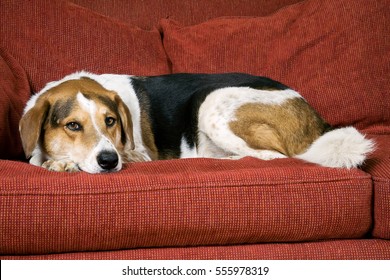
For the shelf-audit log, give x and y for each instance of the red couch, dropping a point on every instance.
(336, 53)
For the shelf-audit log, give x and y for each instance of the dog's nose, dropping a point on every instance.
(107, 159)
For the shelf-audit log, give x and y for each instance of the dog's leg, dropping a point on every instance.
(217, 140)
(230, 146)
(207, 148)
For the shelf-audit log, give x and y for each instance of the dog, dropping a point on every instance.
(96, 123)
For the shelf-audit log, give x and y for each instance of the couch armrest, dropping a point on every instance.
(14, 93)
(378, 165)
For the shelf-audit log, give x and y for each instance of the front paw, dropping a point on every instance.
(60, 166)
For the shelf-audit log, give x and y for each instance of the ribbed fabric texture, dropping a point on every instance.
(53, 38)
(14, 93)
(146, 14)
(179, 203)
(379, 167)
(358, 249)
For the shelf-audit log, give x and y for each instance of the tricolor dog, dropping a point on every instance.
(96, 123)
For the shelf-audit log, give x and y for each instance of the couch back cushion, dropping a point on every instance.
(146, 14)
(53, 38)
(336, 53)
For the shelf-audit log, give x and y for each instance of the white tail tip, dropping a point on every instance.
(342, 147)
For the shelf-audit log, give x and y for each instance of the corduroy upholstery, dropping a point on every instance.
(334, 52)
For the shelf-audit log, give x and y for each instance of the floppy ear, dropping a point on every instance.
(126, 123)
(31, 124)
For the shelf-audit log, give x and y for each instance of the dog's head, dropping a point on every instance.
(79, 121)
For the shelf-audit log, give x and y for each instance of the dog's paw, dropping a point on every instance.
(60, 166)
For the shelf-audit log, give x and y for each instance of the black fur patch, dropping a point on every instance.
(60, 110)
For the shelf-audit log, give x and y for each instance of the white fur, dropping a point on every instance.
(216, 140)
(343, 147)
(186, 151)
(90, 164)
(37, 156)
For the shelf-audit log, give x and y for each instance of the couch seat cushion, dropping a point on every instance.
(356, 249)
(336, 53)
(185, 202)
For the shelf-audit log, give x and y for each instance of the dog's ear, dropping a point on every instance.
(30, 125)
(126, 123)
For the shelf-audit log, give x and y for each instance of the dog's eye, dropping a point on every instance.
(110, 121)
(74, 126)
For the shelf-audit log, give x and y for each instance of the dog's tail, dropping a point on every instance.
(342, 147)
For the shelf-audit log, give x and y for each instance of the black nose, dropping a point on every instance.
(107, 159)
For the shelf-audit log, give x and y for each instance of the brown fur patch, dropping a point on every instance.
(148, 136)
(288, 128)
(31, 123)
